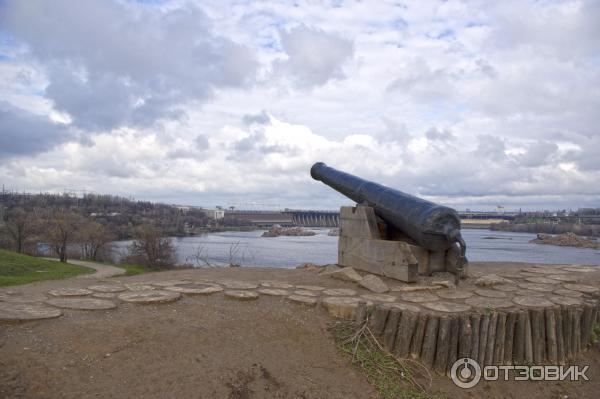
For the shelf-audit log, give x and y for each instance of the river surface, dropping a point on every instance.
(250, 249)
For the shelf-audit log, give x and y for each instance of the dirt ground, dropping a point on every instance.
(211, 347)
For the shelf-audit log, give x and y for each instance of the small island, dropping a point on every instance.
(277, 231)
(566, 240)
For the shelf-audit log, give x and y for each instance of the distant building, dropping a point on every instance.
(215, 214)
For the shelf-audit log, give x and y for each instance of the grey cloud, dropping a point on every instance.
(538, 153)
(435, 134)
(24, 133)
(314, 56)
(260, 119)
(111, 63)
(491, 147)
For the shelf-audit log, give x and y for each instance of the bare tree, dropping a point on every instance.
(93, 237)
(200, 257)
(20, 227)
(152, 249)
(60, 229)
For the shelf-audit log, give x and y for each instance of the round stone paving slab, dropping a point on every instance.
(537, 287)
(342, 307)
(339, 292)
(306, 293)
(402, 306)
(532, 302)
(241, 295)
(310, 287)
(447, 307)
(303, 299)
(276, 284)
(454, 294)
(240, 285)
(529, 293)
(505, 288)
(150, 296)
(418, 297)
(82, 303)
(543, 280)
(10, 311)
(488, 303)
(169, 283)
(581, 269)
(491, 293)
(139, 287)
(70, 292)
(23, 298)
(107, 288)
(587, 289)
(104, 295)
(273, 291)
(544, 270)
(565, 300)
(567, 278)
(379, 297)
(195, 288)
(569, 293)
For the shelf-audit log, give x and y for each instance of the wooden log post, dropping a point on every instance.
(429, 340)
(379, 318)
(483, 335)
(576, 333)
(567, 323)
(491, 339)
(511, 319)
(465, 336)
(406, 330)
(586, 324)
(520, 338)
(361, 313)
(416, 343)
(442, 345)
(500, 338)
(391, 328)
(560, 340)
(528, 340)
(537, 325)
(475, 323)
(551, 340)
(454, 338)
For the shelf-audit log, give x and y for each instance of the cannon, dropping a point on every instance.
(427, 231)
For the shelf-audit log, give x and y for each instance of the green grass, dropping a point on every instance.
(18, 269)
(392, 378)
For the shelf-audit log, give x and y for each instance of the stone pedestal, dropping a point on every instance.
(367, 243)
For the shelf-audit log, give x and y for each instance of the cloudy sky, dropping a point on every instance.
(472, 104)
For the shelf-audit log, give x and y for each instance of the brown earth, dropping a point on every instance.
(212, 347)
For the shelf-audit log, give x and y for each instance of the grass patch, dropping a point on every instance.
(392, 378)
(18, 269)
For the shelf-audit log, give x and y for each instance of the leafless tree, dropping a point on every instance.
(20, 226)
(152, 249)
(93, 238)
(60, 229)
(200, 257)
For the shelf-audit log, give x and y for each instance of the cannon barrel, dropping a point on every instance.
(431, 226)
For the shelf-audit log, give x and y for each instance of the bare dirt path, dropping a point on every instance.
(102, 270)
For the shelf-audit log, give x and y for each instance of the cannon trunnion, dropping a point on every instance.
(393, 233)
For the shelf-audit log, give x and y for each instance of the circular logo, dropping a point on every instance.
(465, 373)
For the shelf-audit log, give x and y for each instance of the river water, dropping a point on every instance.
(250, 249)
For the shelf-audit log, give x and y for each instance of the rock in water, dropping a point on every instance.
(346, 274)
(374, 283)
